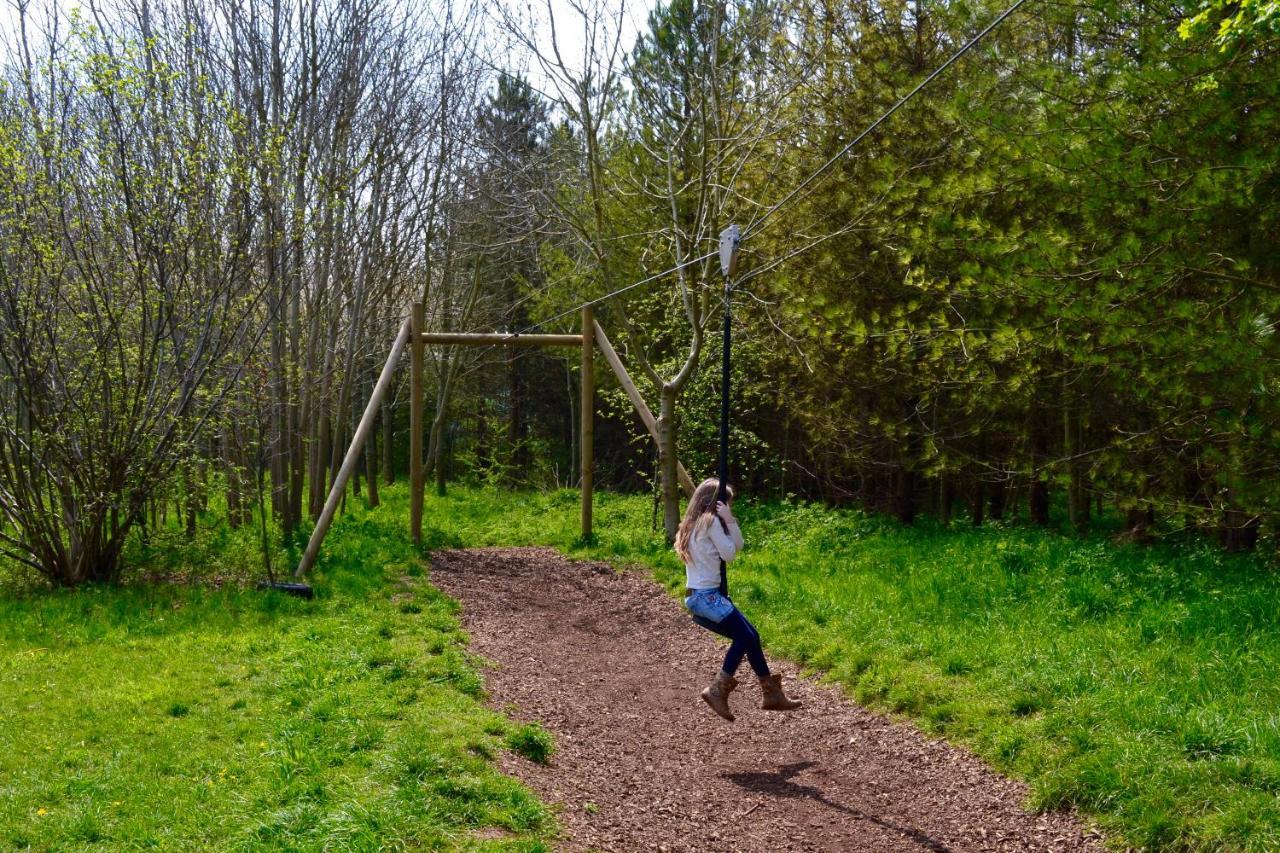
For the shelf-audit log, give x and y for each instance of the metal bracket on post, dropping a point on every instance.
(730, 239)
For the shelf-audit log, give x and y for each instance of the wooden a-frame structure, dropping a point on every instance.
(413, 334)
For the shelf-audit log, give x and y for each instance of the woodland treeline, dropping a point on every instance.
(1049, 284)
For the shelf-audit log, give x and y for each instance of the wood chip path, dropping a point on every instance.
(612, 666)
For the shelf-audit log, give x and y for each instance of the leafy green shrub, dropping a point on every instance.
(435, 539)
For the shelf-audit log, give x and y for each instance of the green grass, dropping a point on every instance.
(183, 717)
(1141, 685)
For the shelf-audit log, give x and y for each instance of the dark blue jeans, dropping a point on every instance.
(745, 640)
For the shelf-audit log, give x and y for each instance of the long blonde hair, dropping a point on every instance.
(699, 514)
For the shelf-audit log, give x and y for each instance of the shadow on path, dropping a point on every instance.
(778, 784)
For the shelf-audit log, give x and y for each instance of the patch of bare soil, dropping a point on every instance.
(612, 665)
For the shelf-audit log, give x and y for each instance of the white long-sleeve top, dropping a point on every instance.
(707, 547)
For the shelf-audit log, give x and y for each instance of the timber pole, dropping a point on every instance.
(416, 483)
(624, 379)
(588, 418)
(500, 339)
(353, 452)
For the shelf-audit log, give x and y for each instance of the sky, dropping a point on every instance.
(631, 14)
(628, 15)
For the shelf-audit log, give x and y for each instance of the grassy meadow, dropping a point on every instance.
(1138, 684)
(184, 716)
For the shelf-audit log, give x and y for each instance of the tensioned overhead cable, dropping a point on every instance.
(545, 288)
(759, 221)
(619, 291)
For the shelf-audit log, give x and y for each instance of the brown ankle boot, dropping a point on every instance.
(717, 695)
(774, 698)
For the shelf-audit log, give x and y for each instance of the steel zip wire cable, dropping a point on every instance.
(542, 323)
(759, 221)
(541, 290)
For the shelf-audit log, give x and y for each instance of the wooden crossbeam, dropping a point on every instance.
(500, 338)
(593, 335)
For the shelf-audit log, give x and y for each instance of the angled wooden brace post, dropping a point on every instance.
(353, 452)
(611, 356)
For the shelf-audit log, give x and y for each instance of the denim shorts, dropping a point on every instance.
(709, 604)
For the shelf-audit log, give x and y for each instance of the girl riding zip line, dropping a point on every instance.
(708, 538)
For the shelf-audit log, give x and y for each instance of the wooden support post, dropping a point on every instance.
(416, 484)
(353, 452)
(611, 356)
(588, 410)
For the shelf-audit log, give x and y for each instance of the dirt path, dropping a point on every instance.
(612, 666)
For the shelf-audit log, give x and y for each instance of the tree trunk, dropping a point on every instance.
(516, 427)
(388, 443)
(371, 452)
(232, 473)
(484, 460)
(1241, 532)
(1077, 491)
(279, 404)
(997, 497)
(575, 464)
(1038, 493)
(437, 460)
(977, 502)
(1239, 527)
(1138, 523)
(667, 462)
(321, 449)
(319, 466)
(904, 494)
(190, 499)
(441, 458)
(450, 439)
(337, 441)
